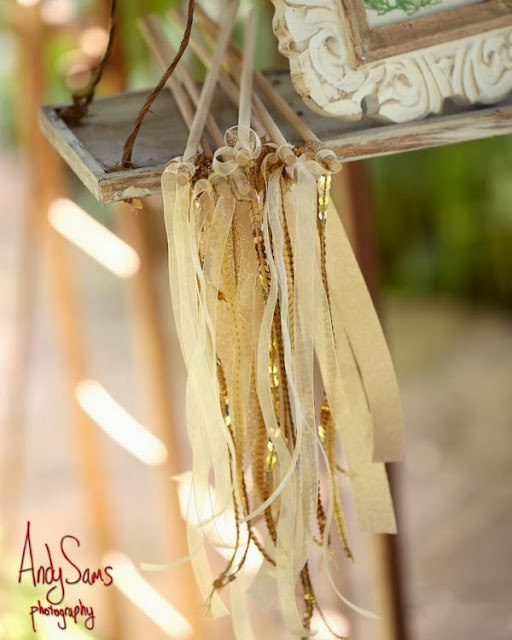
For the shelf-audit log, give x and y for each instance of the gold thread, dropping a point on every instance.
(263, 480)
(327, 430)
(309, 597)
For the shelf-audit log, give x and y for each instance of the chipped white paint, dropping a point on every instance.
(135, 192)
(313, 35)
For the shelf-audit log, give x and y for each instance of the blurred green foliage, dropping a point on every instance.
(444, 219)
(409, 7)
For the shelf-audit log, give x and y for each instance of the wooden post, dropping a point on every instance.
(350, 192)
(47, 183)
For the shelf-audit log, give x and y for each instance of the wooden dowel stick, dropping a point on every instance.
(270, 125)
(194, 94)
(225, 81)
(268, 121)
(264, 116)
(211, 80)
(280, 103)
(332, 163)
(244, 112)
(162, 52)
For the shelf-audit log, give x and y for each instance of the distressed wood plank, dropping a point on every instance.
(433, 132)
(132, 183)
(71, 149)
(93, 150)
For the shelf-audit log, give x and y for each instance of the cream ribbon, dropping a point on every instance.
(207, 225)
(229, 160)
(358, 430)
(287, 571)
(354, 311)
(208, 434)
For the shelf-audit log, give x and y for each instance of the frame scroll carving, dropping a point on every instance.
(330, 74)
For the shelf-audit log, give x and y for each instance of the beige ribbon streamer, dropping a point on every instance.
(203, 410)
(340, 372)
(239, 609)
(301, 358)
(355, 312)
(372, 499)
(211, 257)
(287, 569)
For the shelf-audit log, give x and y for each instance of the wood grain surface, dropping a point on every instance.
(93, 150)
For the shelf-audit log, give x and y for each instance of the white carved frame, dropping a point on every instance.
(331, 72)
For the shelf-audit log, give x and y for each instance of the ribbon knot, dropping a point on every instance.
(242, 148)
(183, 169)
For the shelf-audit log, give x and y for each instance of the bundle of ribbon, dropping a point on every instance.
(267, 297)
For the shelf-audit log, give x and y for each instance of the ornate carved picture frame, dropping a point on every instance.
(344, 64)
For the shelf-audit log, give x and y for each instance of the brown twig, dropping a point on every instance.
(224, 79)
(163, 52)
(83, 97)
(210, 82)
(130, 140)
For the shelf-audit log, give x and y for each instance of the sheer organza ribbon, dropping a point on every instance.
(223, 318)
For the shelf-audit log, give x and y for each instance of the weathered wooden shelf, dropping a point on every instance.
(93, 149)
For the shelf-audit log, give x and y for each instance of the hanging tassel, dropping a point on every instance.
(263, 286)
